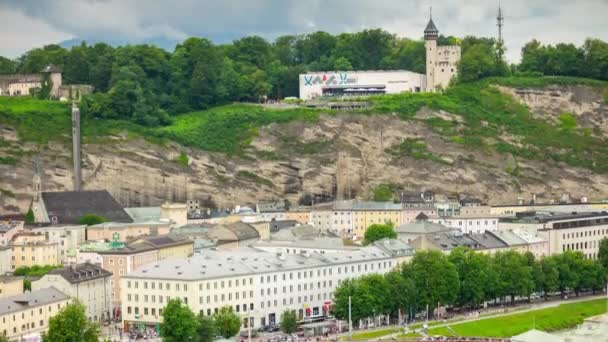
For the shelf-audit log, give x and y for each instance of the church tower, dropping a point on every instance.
(430, 43)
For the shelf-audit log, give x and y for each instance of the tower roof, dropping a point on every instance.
(431, 31)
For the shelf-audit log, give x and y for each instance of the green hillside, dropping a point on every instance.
(491, 121)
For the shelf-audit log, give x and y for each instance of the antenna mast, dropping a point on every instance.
(500, 23)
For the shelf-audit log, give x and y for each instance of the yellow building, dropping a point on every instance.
(10, 286)
(29, 249)
(365, 218)
(26, 316)
(300, 215)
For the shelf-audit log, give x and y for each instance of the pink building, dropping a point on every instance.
(409, 214)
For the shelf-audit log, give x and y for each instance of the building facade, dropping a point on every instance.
(68, 238)
(258, 285)
(5, 259)
(90, 284)
(356, 83)
(135, 255)
(572, 231)
(27, 315)
(29, 249)
(110, 231)
(300, 215)
(468, 225)
(10, 286)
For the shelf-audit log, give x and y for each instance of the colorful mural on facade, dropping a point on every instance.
(331, 79)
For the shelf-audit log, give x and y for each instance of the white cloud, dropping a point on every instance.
(137, 20)
(19, 33)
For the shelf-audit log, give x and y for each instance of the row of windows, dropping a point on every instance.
(581, 223)
(25, 327)
(46, 257)
(595, 232)
(265, 279)
(580, 245)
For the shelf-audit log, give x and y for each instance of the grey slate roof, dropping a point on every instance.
(31, 300)
(70, 206)
(81, 272)
(487, 241)
(421, 227)
(248, 262)
(148, 243)
(316, 242)
(509, 237)
(431, 28)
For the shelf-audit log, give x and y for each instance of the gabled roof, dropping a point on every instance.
(421, 227)
(81, 272)
(149, 243)
(237, 231)
(30, 300)
(487, 241)
(69, 206)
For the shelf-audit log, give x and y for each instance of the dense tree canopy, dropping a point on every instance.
(226, 322)
(179, 322)
(589, 60)
(147, 85)
(289, 321)
(71, 325)
(602, 254)
(379, 231)
(465, 279)
(91, 219)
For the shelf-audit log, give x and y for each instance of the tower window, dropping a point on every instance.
(452, 70)
(442, 70)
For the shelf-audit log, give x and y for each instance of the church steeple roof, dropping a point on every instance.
(431, 31)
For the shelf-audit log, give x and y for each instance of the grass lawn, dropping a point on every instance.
(375, 334)
(550, 319)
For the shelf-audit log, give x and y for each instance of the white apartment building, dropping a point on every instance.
(90, 284)
(573, 231)
(469, 225)
(258, 285)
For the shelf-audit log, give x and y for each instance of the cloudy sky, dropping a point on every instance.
(33, 23)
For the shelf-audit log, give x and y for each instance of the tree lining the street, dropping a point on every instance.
(466, 279)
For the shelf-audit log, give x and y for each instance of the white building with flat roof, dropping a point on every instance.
(581, 232)
(357, 83)
(258, 285)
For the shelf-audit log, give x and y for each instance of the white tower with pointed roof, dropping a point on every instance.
(441, 61)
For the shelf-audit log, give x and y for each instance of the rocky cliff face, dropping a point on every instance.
(345, 152)
(585, 104)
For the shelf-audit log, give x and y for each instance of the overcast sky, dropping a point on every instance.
(32, 23)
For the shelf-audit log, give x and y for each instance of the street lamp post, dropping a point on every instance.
(350, 320)
(249, 325)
